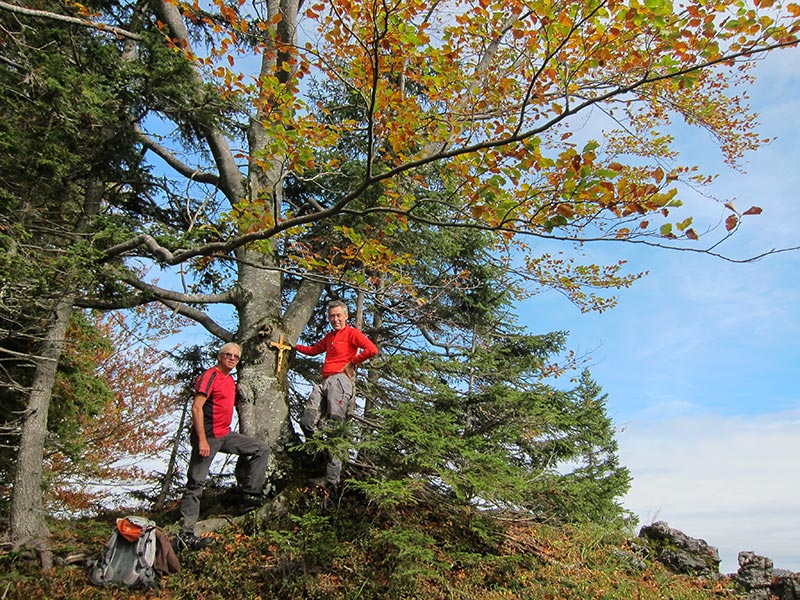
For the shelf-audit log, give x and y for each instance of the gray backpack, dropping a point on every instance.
(129, 556)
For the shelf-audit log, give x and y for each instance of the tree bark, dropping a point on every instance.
(263, 398)
(173, 458)
(27, 509)
(27, 518)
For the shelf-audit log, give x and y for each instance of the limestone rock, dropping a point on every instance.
(679, 552)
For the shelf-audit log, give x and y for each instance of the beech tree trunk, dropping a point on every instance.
(258, 295)
(263, 404)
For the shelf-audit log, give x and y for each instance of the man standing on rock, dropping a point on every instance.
(344, 348)
(212, 413)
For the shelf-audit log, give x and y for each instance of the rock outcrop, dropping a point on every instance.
(681, 553)
(754, 575)
(690, 556)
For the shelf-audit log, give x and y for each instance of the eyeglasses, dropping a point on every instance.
(231, 355)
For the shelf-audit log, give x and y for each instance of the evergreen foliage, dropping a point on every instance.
(504, 444)
(465, 407)
(64, 134)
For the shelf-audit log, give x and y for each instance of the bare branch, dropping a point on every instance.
(230, 180)
(173, 161)
(164, 294)
(30, 12)
(201, 318)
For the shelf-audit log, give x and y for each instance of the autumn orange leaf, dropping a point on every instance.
(753, 210)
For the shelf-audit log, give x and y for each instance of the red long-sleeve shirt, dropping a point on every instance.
(341, 347)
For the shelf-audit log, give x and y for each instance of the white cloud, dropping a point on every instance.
(732, 481)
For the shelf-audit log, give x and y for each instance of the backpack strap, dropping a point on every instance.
(98, 569)
(146, 557)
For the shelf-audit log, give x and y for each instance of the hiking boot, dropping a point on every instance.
(322, 482)
(191, 542)
(249, 500)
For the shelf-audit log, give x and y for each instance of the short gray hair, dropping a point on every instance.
(228, 346)
(338, 304)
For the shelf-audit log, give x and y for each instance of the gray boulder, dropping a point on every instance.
(786, 586)
(761, 582)
(679, 552)
(754, 575)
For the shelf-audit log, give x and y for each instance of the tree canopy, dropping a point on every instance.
(252, 157)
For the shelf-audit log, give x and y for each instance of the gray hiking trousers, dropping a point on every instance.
(330, 401)
(250, 471)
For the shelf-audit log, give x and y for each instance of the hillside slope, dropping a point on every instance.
(309, 544)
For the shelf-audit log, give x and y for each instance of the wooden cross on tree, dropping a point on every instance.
(282, 347)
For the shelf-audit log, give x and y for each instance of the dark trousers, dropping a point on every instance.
(250, 471)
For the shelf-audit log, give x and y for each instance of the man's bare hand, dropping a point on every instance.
(204, 448)
(350, 370)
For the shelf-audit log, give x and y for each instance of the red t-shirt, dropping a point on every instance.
(220, 392)
(341, 347)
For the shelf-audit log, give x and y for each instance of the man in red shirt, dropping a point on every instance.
(212, 413)
(344, 348)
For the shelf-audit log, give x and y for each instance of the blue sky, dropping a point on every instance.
(701, 359)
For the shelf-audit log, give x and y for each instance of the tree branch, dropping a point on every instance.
(567, 238)
(172, 160)
(30, 12)
(164, 294)
(230, 179)
(201, 318)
